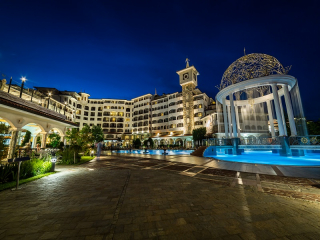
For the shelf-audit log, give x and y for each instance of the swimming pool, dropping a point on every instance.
(156, 152)
(267, 157)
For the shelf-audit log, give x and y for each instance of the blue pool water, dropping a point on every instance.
(157, 152)
(267, 157)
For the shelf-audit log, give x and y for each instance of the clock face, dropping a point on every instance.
(185, 76)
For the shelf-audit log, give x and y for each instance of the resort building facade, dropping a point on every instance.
(169, 118)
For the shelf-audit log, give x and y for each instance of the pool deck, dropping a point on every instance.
(277, 170)
(156, 197)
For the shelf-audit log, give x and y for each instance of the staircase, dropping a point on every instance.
(199, 151)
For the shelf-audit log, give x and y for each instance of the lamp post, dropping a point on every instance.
(9, 85)
(23, 79)
(65, 106)
(32, 94)
(49, 99)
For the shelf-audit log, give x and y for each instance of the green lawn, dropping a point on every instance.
(8, 185)
(85, 159)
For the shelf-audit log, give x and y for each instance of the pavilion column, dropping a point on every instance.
(13, 143)
(283, 118)
(237, 118)
(289, 111)
(43, 139)
(270, 118)
(277, 107)
(230, 121)
(233, 117)
(225, 120)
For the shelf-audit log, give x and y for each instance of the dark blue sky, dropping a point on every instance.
(123, 49)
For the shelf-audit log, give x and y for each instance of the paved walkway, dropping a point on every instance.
(123, 197)
(289, 171)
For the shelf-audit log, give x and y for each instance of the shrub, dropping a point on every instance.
(6, 172)
(34, 167)
(26, 138)
(69, 156)
(54, 140)
(31, 168)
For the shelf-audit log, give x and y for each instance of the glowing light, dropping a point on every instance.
(49, 94)
(23, 79)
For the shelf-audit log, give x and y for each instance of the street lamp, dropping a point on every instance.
(49, 99)
(65, 106)
(23, 79)
(32, 94)
(9, 85)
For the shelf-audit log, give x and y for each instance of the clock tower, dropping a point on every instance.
(188, 81)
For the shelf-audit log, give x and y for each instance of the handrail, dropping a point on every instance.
(305, 140)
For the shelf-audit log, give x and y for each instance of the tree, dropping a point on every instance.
(145, 143)
(136, 143)
(74, 140)
(198, 134)
(97, 133)
(314, 127)
(54, 139)
(26, 139)
(3, 130)
(86, 138)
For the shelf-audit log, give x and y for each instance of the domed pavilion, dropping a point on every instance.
(257, 98)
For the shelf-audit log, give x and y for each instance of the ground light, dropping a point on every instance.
(53, 161)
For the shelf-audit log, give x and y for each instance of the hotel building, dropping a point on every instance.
(169, 118)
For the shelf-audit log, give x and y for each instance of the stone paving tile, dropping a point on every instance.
(92, 201)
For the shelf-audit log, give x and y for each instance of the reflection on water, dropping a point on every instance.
(157, 152)
(267, 157)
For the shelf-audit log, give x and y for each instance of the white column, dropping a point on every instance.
(277, 107)
(43, 139)
(13, 143)
(225, 120)
(230, 121)
(270, 118)
(34, 141)
(289, 111)
(19, 138)
(237, 117)
(233, 117)
(283, 118)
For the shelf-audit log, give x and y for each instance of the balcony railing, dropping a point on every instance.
(260, 141)
(305, 140)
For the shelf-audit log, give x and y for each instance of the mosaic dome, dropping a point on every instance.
(251, 66)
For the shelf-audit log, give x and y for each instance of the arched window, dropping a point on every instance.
(247, 127)
(253, 127)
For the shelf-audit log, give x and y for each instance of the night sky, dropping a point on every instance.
(124, 49)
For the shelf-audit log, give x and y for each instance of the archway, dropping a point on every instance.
(179, 142)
